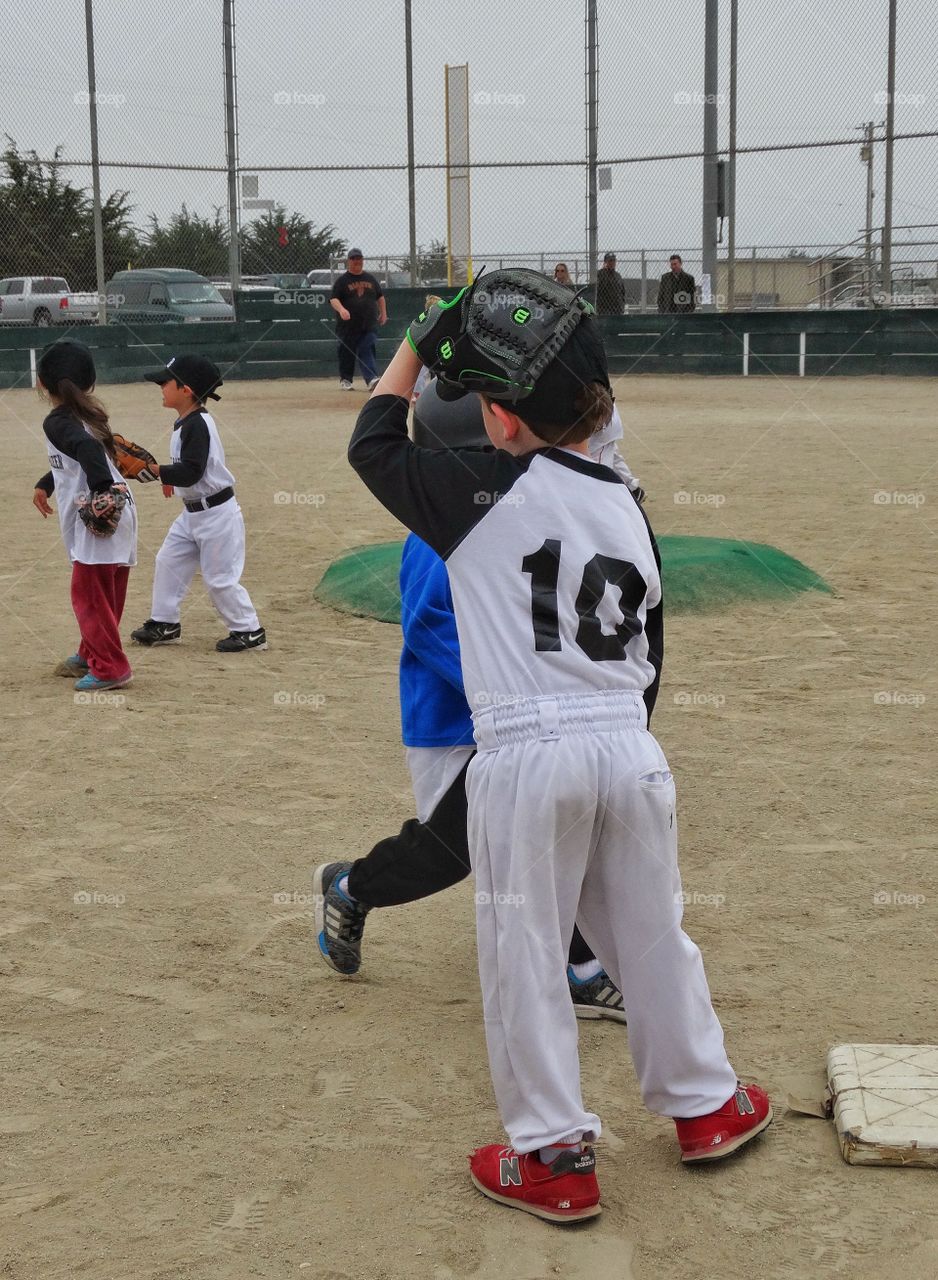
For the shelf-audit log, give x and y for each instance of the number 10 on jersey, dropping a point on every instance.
(598, 573)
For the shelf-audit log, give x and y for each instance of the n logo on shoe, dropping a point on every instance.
(509, 1171)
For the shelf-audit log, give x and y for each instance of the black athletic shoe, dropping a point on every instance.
(157, 632)
(597, 997)
(339, 920)
(235, 641)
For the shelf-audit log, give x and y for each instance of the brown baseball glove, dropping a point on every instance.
(133, 461)
(101, 512)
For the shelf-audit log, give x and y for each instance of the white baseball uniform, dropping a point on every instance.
(557, 596)
(209, 539)
(71, 480)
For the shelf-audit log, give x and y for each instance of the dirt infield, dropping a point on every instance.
(188, 1092)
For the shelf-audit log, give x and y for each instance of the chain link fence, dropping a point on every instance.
(321, 148)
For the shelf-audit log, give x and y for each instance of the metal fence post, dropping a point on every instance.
(231, 149)
(592, 133)
(95, 166)
(411, 172)
(731, 166)
(886, 268)
(711, 80)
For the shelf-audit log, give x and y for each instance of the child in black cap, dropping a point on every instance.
(208, 535)
(81, 460)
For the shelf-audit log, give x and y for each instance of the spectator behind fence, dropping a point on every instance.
(562, 276)
(676, 290)
(359, 305)
(610, 288)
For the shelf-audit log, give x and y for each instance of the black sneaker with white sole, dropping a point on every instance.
(153, 632)
(596, 997)
(235, 641)
(340, 920)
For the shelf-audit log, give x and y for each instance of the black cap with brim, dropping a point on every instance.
(198, 373)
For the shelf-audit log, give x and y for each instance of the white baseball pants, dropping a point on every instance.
(211, 542)
(571, 817)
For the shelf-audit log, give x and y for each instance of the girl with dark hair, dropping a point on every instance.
(81, 457)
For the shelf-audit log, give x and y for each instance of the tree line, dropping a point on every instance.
(47, 228)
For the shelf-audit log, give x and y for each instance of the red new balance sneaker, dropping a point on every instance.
(564, 1191)
(720, 1133)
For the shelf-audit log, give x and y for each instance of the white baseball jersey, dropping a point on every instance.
(66, 437)
(553, 569)
(198, 466)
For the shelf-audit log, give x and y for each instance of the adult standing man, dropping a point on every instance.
(360, 307)
(610, 288)
(676, 290)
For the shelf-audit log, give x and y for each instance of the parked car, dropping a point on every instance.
(164, 295)
(44, 301)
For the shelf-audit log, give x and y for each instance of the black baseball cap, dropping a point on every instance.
(609, 257)
(354, 253)
(581, 359)
(66, 360)
(196, 372)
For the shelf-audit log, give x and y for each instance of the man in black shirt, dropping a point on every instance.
(676, 290)
(610, 288)
(360, 308)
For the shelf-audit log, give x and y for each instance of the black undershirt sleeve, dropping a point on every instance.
(440, 494)
(194, 443)
(69, 436)
(46, 483)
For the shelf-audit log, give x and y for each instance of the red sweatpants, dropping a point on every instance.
(98, 592)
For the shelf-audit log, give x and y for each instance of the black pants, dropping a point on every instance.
(426, 857)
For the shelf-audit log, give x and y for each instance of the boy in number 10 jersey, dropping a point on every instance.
(556, 588)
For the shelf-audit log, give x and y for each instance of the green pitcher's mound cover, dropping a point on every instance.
(699, 573)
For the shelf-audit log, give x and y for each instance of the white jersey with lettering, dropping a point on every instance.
(216, 475)
(80, 543)
(552, 565)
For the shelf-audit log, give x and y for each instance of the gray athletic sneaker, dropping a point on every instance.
(597, 997)
(339, 920)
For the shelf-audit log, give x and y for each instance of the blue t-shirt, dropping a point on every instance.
(434, 710)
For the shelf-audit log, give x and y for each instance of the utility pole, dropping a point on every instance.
(710, 197)
(231, 148)
(592, 134)
(411, 171)
(95, 166)
(866, 156)
(886, 266)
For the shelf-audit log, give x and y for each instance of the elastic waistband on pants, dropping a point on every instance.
(214, 500)
(554, 716)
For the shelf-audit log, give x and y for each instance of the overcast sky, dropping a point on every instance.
(321, 83)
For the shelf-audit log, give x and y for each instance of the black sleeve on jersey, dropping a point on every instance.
(440, 494)
(68, 435)
(194, 442)
(46, 483)
(654, 630)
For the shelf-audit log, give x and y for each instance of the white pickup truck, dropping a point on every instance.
(44, 301)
